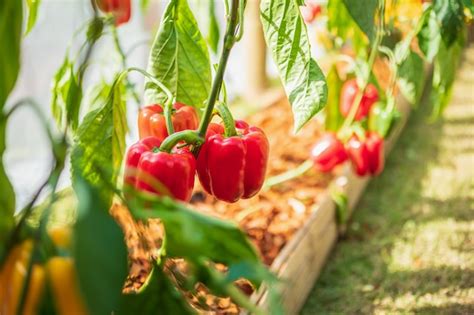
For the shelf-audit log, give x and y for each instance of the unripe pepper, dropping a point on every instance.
(63, 280)
(151, 121)
(327, 152)
(359, 155)
(375, 146)
(348, 95)
(120, 9)
(233, 167)
(12, 279)
(162, 173)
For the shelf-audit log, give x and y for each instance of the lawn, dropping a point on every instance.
(410, 245)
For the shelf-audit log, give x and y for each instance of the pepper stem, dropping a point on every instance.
(188, 136)
(227, 119)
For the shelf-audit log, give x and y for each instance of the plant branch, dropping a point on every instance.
(229, 40)
(290, 174)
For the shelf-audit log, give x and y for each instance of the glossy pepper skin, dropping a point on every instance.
(359, 155)
(234, 167)
(348, 94)
(120, 9)
(375, 146)
(161, 173)
(151, 121)
(327, 152)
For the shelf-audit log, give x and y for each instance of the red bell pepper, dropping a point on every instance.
(233, 167)
(375, 146)
(161, 173)
(120, 9)
(328, 152)
(310, 11)
(359, 155)
(151, 121)
(348, 95)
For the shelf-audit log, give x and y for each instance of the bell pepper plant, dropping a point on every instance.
(151, 121)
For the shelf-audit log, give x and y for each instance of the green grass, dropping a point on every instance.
(410, 245)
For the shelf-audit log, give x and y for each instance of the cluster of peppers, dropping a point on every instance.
(57, 274)
(230, 163)
(365, 151)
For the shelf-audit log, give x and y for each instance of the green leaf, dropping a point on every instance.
(213, 33)
(100, 142)
(99, 251)
(445, 66)
(469, 4)
(179, 58)
(342, 25)
(11, 14)
(33, 6)
(410, 77)
(363, 13)
(158, 293)
(11, 18)
(450, 15)
(334, 118)
(286, 35)
(190, 234)
(429, 37)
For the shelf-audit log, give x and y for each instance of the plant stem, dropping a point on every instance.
(188, 136)
(123, 59)
(290, 174)
(226, 115)
(229, 40)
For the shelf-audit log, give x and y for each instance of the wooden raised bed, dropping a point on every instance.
(300, 261)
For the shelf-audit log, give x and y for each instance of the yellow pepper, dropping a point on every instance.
(12, 280)
(62, 277)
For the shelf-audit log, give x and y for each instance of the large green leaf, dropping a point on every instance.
(286, 35)
(179, 58)
(33, 6)
(410, 77)
(213, 27)
(11, 18)
(192, 235)
(429, 37)
(100, 142)
(157, 294)
(363, 13)
(342, 25)
(99, 251)
(445, 66)
(450, 15)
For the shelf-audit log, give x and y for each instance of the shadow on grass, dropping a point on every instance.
(357, 274)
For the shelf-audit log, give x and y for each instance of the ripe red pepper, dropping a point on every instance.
(310, 11)
(151, 121)
(375, 146)
(234, 167)
(348, 94)
(328, 152)
(120, 9)
(161, 173)
(359, 155)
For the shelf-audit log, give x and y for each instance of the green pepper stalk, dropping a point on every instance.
(229, 40)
